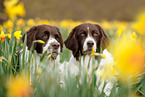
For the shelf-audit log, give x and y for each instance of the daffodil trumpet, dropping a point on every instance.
(39, 41)
(98, 54)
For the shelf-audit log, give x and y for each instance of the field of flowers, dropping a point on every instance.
(126, 72)
(127, 48)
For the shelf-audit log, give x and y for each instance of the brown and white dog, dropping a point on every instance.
(53, 45)
(86, 36)
(52, 38)
(81, 40)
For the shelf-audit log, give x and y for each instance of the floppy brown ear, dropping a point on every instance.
(60, 39)
(72, 43)
(31, 36)
(104, 40)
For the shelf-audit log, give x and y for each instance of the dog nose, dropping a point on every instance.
(90, 43)
(55, 45)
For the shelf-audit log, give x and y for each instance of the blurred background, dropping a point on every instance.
(96, 10)
(84, 9)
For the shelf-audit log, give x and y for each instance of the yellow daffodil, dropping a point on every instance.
(20, 22)
(9, 24)
(9, 36)
(10, 30)
(30, 22)
(93, 51)
(17, 10)
(120, 30)
(139, 25)
(129, 58)
(39, 41)
(124, 36)
(40, 22)
(97, 54)
(17, 34)
(65, 23)
(133, 36)
(18, 87)
(103, 56)
(106, 24)
(2, 34)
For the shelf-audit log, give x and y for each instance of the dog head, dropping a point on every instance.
(49, 34)
(85, 37)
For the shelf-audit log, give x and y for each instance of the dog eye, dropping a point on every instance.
(45, 36)
(56, 37)
(95, 34)
(83, 34)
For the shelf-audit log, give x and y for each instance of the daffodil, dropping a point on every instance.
(14, 10)
(39, 41)
(120, 30)
(20, 22)
(9, 24)
(133, 36)
(65, 23)
(129, 58)
(40, 22)
(97, 54)
(140, 23)
(18, 87)
(9, 36)
(2, 34)
(30, 22)
(106, 24)
(17, 34)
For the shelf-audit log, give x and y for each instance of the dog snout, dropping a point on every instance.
(55, 45)
(90, 43)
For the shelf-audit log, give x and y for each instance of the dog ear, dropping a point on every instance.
(104, 40)
(60, 39)
(72, 43)
(31, 36)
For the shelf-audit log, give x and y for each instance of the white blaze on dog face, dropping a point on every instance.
(89, 38)
(85, 46)
(49, 47)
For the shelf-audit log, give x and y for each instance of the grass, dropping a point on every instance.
(45, 81)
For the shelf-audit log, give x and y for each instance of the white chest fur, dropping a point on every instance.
(73, 67)
(35, 60)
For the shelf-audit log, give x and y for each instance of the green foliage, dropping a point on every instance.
(47, 83)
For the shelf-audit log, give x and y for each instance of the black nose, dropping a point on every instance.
(55, 45)
(90, 43)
